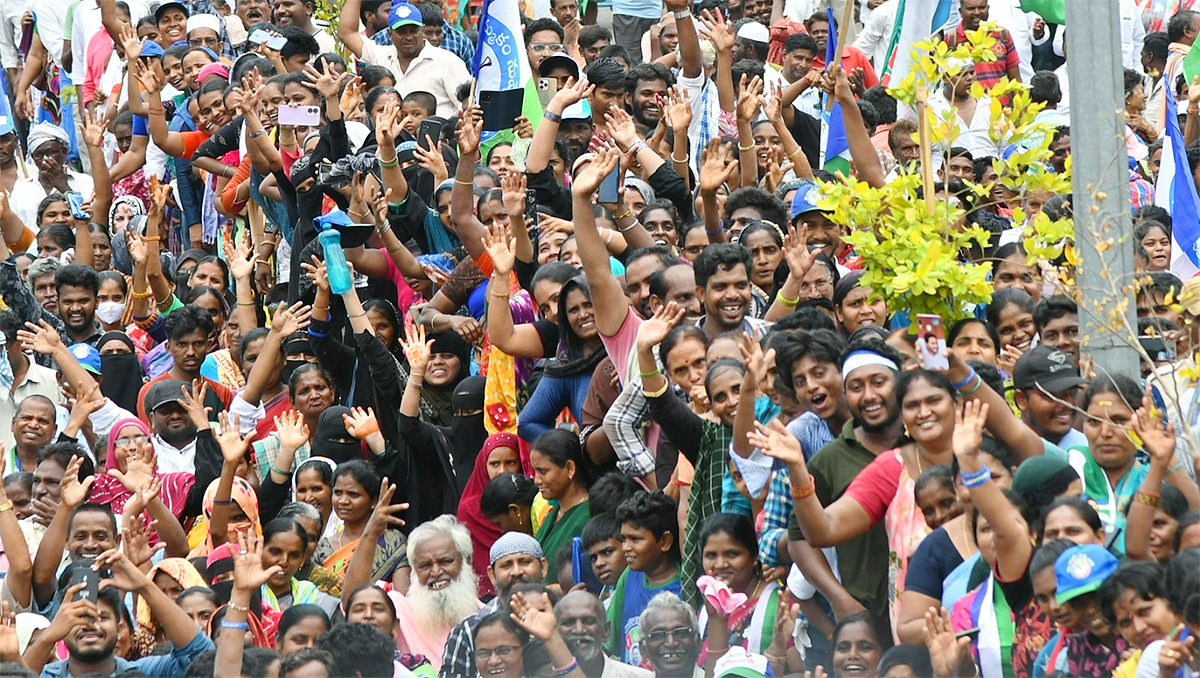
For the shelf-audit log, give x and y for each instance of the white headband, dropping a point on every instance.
(863, 358)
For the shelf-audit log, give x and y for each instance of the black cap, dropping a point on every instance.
(558, 59)
(165, 391)
(1046, 368)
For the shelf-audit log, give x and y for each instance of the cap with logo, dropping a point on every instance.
(808, 194)
(738, 662)
(171, 4)
(404, 14)
(1047, 369)
(87, 355)
(166, 391)
(1081, 570)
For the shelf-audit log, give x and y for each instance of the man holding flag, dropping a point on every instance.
(416, 64)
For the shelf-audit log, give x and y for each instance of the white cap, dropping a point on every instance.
(754, 32)
(209, 21)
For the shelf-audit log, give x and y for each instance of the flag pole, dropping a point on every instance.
(843, 33)
(926, 145)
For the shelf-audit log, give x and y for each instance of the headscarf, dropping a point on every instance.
(262, 629)
(573, 357)
(332, 440)
(467, 433)
(27, 623)
(134, 203)
(439, 399)
(179, 569)
(108, 490)
(483, 531)
(242, 494)
(122, 372)
(43, 133)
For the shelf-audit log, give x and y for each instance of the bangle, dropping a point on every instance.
(627, 228)
(978, 385)
(647, 375)
(245, 303)
(358, 315)
(320, 308)
(566, 669)
(684, 161)
(682, 14)
(747, 148)
(141, 295)
(464, 183)
(384, 163)
(787, 302)
(608, 240)
(627, 212)
(234, 625)
(157, 238)
(279, 470)
(973, 475)
(792, 155)
(976, 479)
(722, 650)
(501, 297)
(806, 491)
(552, 117)
(415, 382)
(155, 111)
(656, 393)
(260, 262)
(960, 384)
(1147, 498)
(223, 502)
(638, 146)
(237, 608)
(255, 135)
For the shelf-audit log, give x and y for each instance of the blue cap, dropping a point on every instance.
(6, 125)
(406, 151)
(404, 14)
(808, 194)
(151, 48)
(1081, 570)
(158, 12)
(332, 219)
(87, 355)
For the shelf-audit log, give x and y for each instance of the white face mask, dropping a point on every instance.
(110, 311)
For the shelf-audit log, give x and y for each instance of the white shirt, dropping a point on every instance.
(324, 38)
(38, 381)
(877, 34)
(434, 70)
(1064, 106)
(972, 135)
(28, 194)
(173, 459)
(615, 669)
(51, 22)
(10, 31)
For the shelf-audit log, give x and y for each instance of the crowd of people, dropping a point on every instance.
(312, 368)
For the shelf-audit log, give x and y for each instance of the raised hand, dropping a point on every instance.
(193, 402)
(241, 261)
(329, 84)
(950, 655)
(501, 247)
(135, 537)
(233, 444)
(159, 193)
(126, 575)
(470, 130)
(131, 46)
(513, 187)
(431, 160)
(717, 166)
(73, 492)
(292, 431)
(588, 180)
(248, 572)
(361, 423)
(571, 93)
(757, 362)
(316, 272)
(533, 613)
(41, 338)
(620, 127)
(656, 328)
(352, 95)
(773, 103)
(679, 110)
(968, 429)
(387, 125)
(749, 99)
(1158, 440)
(139, 466)
(384, 515)
(417, 349)
(799, 258)
(93, 129)
(719, 32)
(291, 319)
(147, 76)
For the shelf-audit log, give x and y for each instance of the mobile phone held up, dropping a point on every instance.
(931, 342)
(301, 116)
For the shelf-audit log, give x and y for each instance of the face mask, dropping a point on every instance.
(290, 366)
(110, 311)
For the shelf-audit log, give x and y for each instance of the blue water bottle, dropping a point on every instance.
(336, 268)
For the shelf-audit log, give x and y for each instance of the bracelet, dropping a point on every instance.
(684, 161)
(255, 135)
(647, 375)
(278, 470)
(237, 608)
(415, 382)
(359, 315)
(747, 148)
(566, 669)
(638, 146)
(608, 240)
(1176, 468)
(320, 308)
(464, 183)
(241, 626)
(245, 303)
(384, 163)
(157, 238)
(968, 476)
(964, 382)
(223, 502)
(552, 117)
(1147, 498)
(787, 302)
(141, 295)
(978, 480)
(627, 228)
(627, 212)
(978, 385)
(260, 262)
(712, 652)
(682, 14)
(656, 393)
(805, 492)
(501, 297)
(792, 155)
(155, 111)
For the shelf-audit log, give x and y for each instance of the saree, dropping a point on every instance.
(391, 553)
(557, 530)
(906, 529)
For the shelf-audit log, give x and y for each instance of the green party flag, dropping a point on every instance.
(1191, 65)
(1051, 11)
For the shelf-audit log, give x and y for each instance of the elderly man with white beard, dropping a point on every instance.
(583, 624)
(443, 590)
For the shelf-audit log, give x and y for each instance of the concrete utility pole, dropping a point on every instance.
(1100, 181)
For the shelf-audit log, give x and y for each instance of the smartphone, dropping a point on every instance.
(610, 187)
(323, 171)
(75, 202)
(967, 633)
(276, 42)
(306, 116)
(259, 37)
(430, 128)
(931, 342)
(1159, 348)
(546, 89)
(84, 574)
(531, 206)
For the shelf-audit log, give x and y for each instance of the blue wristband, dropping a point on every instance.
(964, 382)
(234, 625)
(977, 479)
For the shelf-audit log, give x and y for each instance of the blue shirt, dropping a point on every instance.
(167, 666)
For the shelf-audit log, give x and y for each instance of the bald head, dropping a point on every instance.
(583, 625)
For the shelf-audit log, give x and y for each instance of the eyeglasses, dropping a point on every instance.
(205, 42)
(502, 652)
(682, 634)
(135, 440)
(539, 47)
(818, 286)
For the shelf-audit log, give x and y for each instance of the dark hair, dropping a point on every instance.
(797, 41)
(677, 336)
(186, 320)
(16, 670)
(719, 366)
(1161, 283)
(320, 467)
(77, 275)
(553, 271)
(1141, 577)
(1044, 88)
(501, 617)
(298, 613)
(604, 72)
(204, 290)
(590, 35)
(359, 649)
(1157, 45)
(1081, 508)
(1181, 577)
(298, 42)
(363, 473)
(934, 475)
(646, 71)
(809, 316)
(544, 24)
(423, 99)
(1153, 213)
(1053, 308)
(93, 507)
(962, 325)
(283, 526)
(655, 512)
(1132, 80)
(769, 207)
(610, 490)
(1144, 227)
(1027, 512)
(62, 453)
(720, 257)
(601, 527)
(25, 479)
(822, 346)
(1172, 502)
(256, 662)
(1008, 297)
(1126, 388)
(506, 489)
(248, 338)
(561, 446)
(372, 587)
(856, 618)
(207, 593)
(938, 380)
(615, 52)
(1047, 555)
(884, 103)
(378, 93)
(757, 225)
(305, 369)
(665, 256)
(1179, 23)
(307, 656)
(737, 526)
(372, 75)
(431, 15)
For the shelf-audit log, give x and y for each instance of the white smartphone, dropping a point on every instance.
(306, 116)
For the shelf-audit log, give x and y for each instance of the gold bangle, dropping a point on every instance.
(143, 295)
(320, 308)
(792, 155)
(657, 392)
(618, 217)
(747, 148)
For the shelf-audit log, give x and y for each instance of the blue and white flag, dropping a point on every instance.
(1175, 191)
(916, 21)
(835, 150)
(504, 82)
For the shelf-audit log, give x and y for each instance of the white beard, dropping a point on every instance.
(436, 611)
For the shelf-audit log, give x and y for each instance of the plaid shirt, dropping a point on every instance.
(813, 434)
(458, 659)
(453, 40)
(267, 449)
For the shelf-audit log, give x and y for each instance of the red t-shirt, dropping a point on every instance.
(875, 487)
(852, 58)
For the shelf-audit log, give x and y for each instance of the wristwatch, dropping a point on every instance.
(6, 506)
(682, 14)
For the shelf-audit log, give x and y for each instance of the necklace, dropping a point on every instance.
(968, 543)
